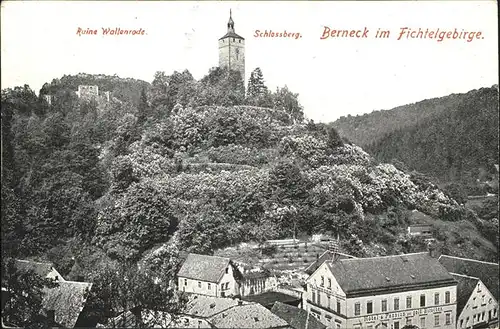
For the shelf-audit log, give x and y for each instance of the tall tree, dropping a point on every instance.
(256, 86)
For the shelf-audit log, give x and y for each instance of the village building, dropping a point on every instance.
(478, 291)
(216, 312)
(256, 281)
(232, 50)
(383, 292)
(297, 318)
(43, 269)
(63, 304)
(209, 275)
(420, 224)
(267, 299)
(326, 255)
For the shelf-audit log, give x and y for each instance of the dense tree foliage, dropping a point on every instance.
(194, 165)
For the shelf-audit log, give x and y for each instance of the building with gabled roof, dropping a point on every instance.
(478, 291)
(43, 269)
(486, 271)
(476, 306)
(297, 318)
(209, 275)
(327, 255)
(217, 312)
(66, 301)
(383, 292)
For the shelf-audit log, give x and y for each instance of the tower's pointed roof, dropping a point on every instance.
(230, 29)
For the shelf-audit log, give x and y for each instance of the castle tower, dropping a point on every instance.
(232, 49)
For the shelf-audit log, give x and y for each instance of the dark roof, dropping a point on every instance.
(486, 272)
(268, 298)
(207, 306)
(248, 316)
(296, 317)
(359, 276)
(327, 255)
(67, 300)
(42, 269)
(465, 287)
(418, 217)
(126, 320)
(204, 268)
(232, 34)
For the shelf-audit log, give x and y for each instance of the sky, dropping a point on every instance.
(334, 77)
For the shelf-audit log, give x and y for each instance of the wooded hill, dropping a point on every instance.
(199, 166)
(452, 138)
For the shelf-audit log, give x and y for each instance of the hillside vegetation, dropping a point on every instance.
(452, 138)
(199, 166)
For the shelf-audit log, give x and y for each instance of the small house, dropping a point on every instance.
(209, 275)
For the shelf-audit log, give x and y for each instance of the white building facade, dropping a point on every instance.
(346, 294)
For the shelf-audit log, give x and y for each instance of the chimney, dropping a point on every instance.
(432, 248)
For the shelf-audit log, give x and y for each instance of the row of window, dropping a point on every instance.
(409, 322)
(224, 286)
(396, 303)
(396, 324)
(479, 317)
(239, 40)
(316, 299)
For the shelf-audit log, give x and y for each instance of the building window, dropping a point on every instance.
(422, 300)
(396, 324)
(495, 313)
(199, 323)
(209, 286)
(239, 41)
(447, 297)
(483, 300)
(357, 309)
(408, 321)
(185, 282)
(482, 316)
(436, 298)
(369, 307)
(422, 322)
(384, 305)
(396, 304)
(408, 302)
(199, 284)
(461, 323)
(474, 302)
(436, 320)
(328, 300)
(319, 298)
(338, 307)
(329, 283)
(448, 318)
(322, 281)
(313, 297)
